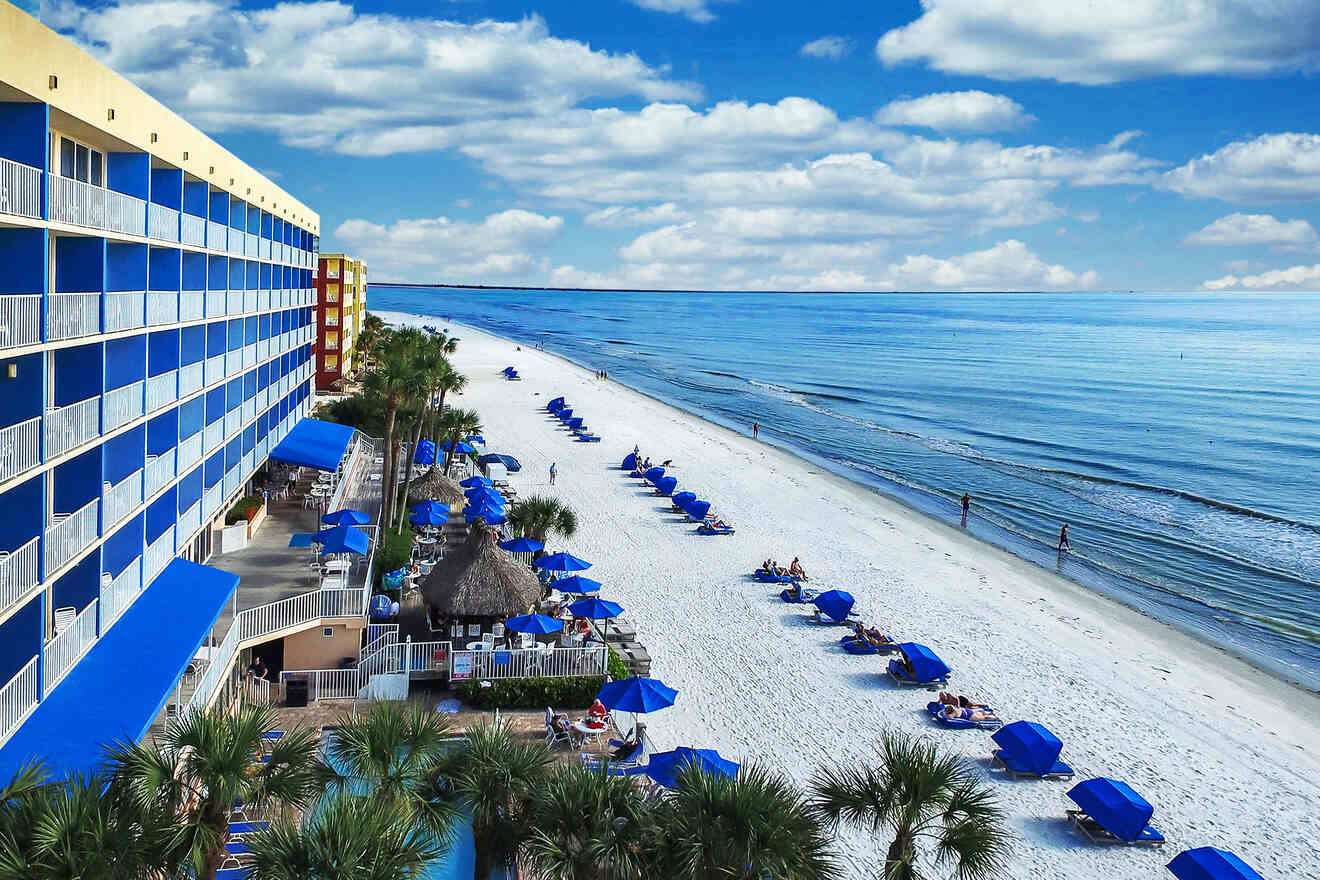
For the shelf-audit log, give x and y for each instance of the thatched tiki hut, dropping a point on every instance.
(478, 583)
(435, 486)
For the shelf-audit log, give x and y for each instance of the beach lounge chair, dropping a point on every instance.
(552, 734)
(588, 438)
(1111, 812)
(803, 596)
(712, 529)
(616, 767)
(239, 829)
(766, 577)
(232, 873)
(1028, 749)
(936, 712)
(833, 607)
(920, 666)
(272, 735)
(854, 645)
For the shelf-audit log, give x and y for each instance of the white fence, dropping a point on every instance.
(162, 223)
(69, 315)
(75, 202)
(125, 213)
(68, 426)
(162, 308)
(20, 189)
(20, 447)
(192, 230)
(18, 572)
(158, 555)
(20, 319)
(190, 450)
(119, 592)
(159, 471)
(68, 534)
(192, 305)
(119, 500)
(125, 310)
(233, 419)
(211, 499)
(65, 649)
(119, 406)
(526, 663)
(18, 697)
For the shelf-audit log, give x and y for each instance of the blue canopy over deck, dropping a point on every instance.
(925, 663)
(1114, 805)
(120, 686)
(314, 443)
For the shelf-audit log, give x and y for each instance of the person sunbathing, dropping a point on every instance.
(864, 635)
(961, 701)
(768, 567)
(719, 524)
(973, 715)
(796, 570)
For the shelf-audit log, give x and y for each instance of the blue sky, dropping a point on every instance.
(944, 144)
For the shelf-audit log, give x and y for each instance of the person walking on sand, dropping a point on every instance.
(756, 429)
(553, 471)
(1063, 539)
(966, 503)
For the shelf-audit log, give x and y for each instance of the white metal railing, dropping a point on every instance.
(158, 555)
(119, 406)
(69, 315)
(68, 426)
(19, 572)
(211, 499)
(263, 399)
(162, 308)
(215, 303)
(125, 213)
(18, 697)
(68, 534)
(249, 300)
(233, 420)
(75, 202)
(190, 451)
(216, 671)
(20, 319)
(20, 189)
(65, 648)
(326, 684)
(119, 500)
(162, 222)
(552, 663)
(215, 435)
(248, 410)
(162, 390)
(234, 303)
(159, 471)
(192, 229)
(191, 377)
(215, 235)
(191, 519)
(215, 369)
(263, 446)
(265, 249)
(124, 310)
(192, 305)
(236, 241)
(120, 592)
(20, 447)
(232, 481)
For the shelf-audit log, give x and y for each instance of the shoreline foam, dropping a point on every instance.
(1216, 746)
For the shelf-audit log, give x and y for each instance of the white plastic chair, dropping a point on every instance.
(497, 632)
(64, 618)
(553, 736)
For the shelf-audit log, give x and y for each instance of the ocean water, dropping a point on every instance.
(1177, 434)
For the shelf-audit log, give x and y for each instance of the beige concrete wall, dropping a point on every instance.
(31, 53)
(311, 650)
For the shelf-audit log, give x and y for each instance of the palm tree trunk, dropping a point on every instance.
(901, 860)
(407, 479)
(387, 483)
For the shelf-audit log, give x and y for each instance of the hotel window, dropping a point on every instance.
(80, 162)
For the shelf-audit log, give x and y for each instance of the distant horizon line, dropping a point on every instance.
(429, 285)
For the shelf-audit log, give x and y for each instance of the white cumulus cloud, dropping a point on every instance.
(1009, 265)
(1294, 278)
(696, 10)
(620, 216)
(1270, 168)
(956, 111)
(1241, 230)
(831, 47)
(1107, 42)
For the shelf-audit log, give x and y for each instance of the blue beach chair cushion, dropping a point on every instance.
(1017, 766)
(708, 529)
(936, 711)
(766, 578)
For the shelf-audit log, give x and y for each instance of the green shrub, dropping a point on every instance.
(393, 552)
(617, 668)
(530, 693)
(243, 510)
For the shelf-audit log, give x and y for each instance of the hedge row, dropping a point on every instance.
(530, 693)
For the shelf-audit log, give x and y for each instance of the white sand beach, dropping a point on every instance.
(1227, 755)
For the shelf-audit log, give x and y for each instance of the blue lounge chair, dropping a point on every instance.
(804, 596)
(1029, 749)
(1111, 812)
(854, 645)
(232, 873)
(619, 767)
(936, 712)
(237, 848)
(920, 666)
(277, 734)
(1211, 863)
(588, 438)
(712, 529)
(238, 829)
(766, 578)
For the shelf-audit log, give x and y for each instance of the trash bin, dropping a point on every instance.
(295, 692)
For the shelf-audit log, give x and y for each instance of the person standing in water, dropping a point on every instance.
(966, 506)
(1063, 539)
(756, 429)
(553, 471)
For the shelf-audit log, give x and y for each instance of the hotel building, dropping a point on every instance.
(157, 331)
(341, 294)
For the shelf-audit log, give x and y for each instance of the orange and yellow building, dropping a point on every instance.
(341, 294)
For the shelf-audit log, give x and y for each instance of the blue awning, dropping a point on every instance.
(314, 443)
(120, 686)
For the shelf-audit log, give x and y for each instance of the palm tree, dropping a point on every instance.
(203, 765)
(438, 377)
(537, 516)
(22, 803)
(754, 825)
(394, 378)
(400, 749)
(591, 826)
(454, 425)
(373, 327)
(495, 779)
(918, 794)
(448, 381)
(351, 838)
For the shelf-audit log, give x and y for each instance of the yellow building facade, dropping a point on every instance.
(341, 285)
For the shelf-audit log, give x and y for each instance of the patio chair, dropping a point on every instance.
(497, 632)
(553, 735)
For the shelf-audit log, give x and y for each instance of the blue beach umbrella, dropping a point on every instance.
(491, 517)
(510, 463)
(489, 512)
(300, 539)
(346, 517)
(577, 584)
(629, 462)
(481, 494)
(342, 539)
(665, 485)
(682, 499)
(425, 453)
(925, 663)
(835, 604)
(476, 438)
(522, 545)
(537, 624)
(429, 507)
(429, 517)
(665, 767)
(1114, 806)
(475, 482)
(1210, 863)
(380, 607)
(636, 695)
(1029, 745)
(595, 608)
(654, 474)
(562, 562)
(461, 447)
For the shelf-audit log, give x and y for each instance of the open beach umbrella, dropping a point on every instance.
(476, 482)
(683, 499)
(835, 603)
(429, 517)
(1209, 863)
(300, 539)
(537, 624)
(636, 695)
(697, 509)
(346, 517)
(555, 405)
(577, 584)
(665, 767)
(925, 663)
(429, 507)
(508, 370)
(522, 545)
(595, 608)
(380, 607)
(462, 448)
(489, 512)
(665, 485)
(342, 539)
(476, 438)
(478, 494)
(425, 453)
(562, 562)
(1114, 806)
(1029, 745)
(510, 463)
(629, 462)
(654, 474)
